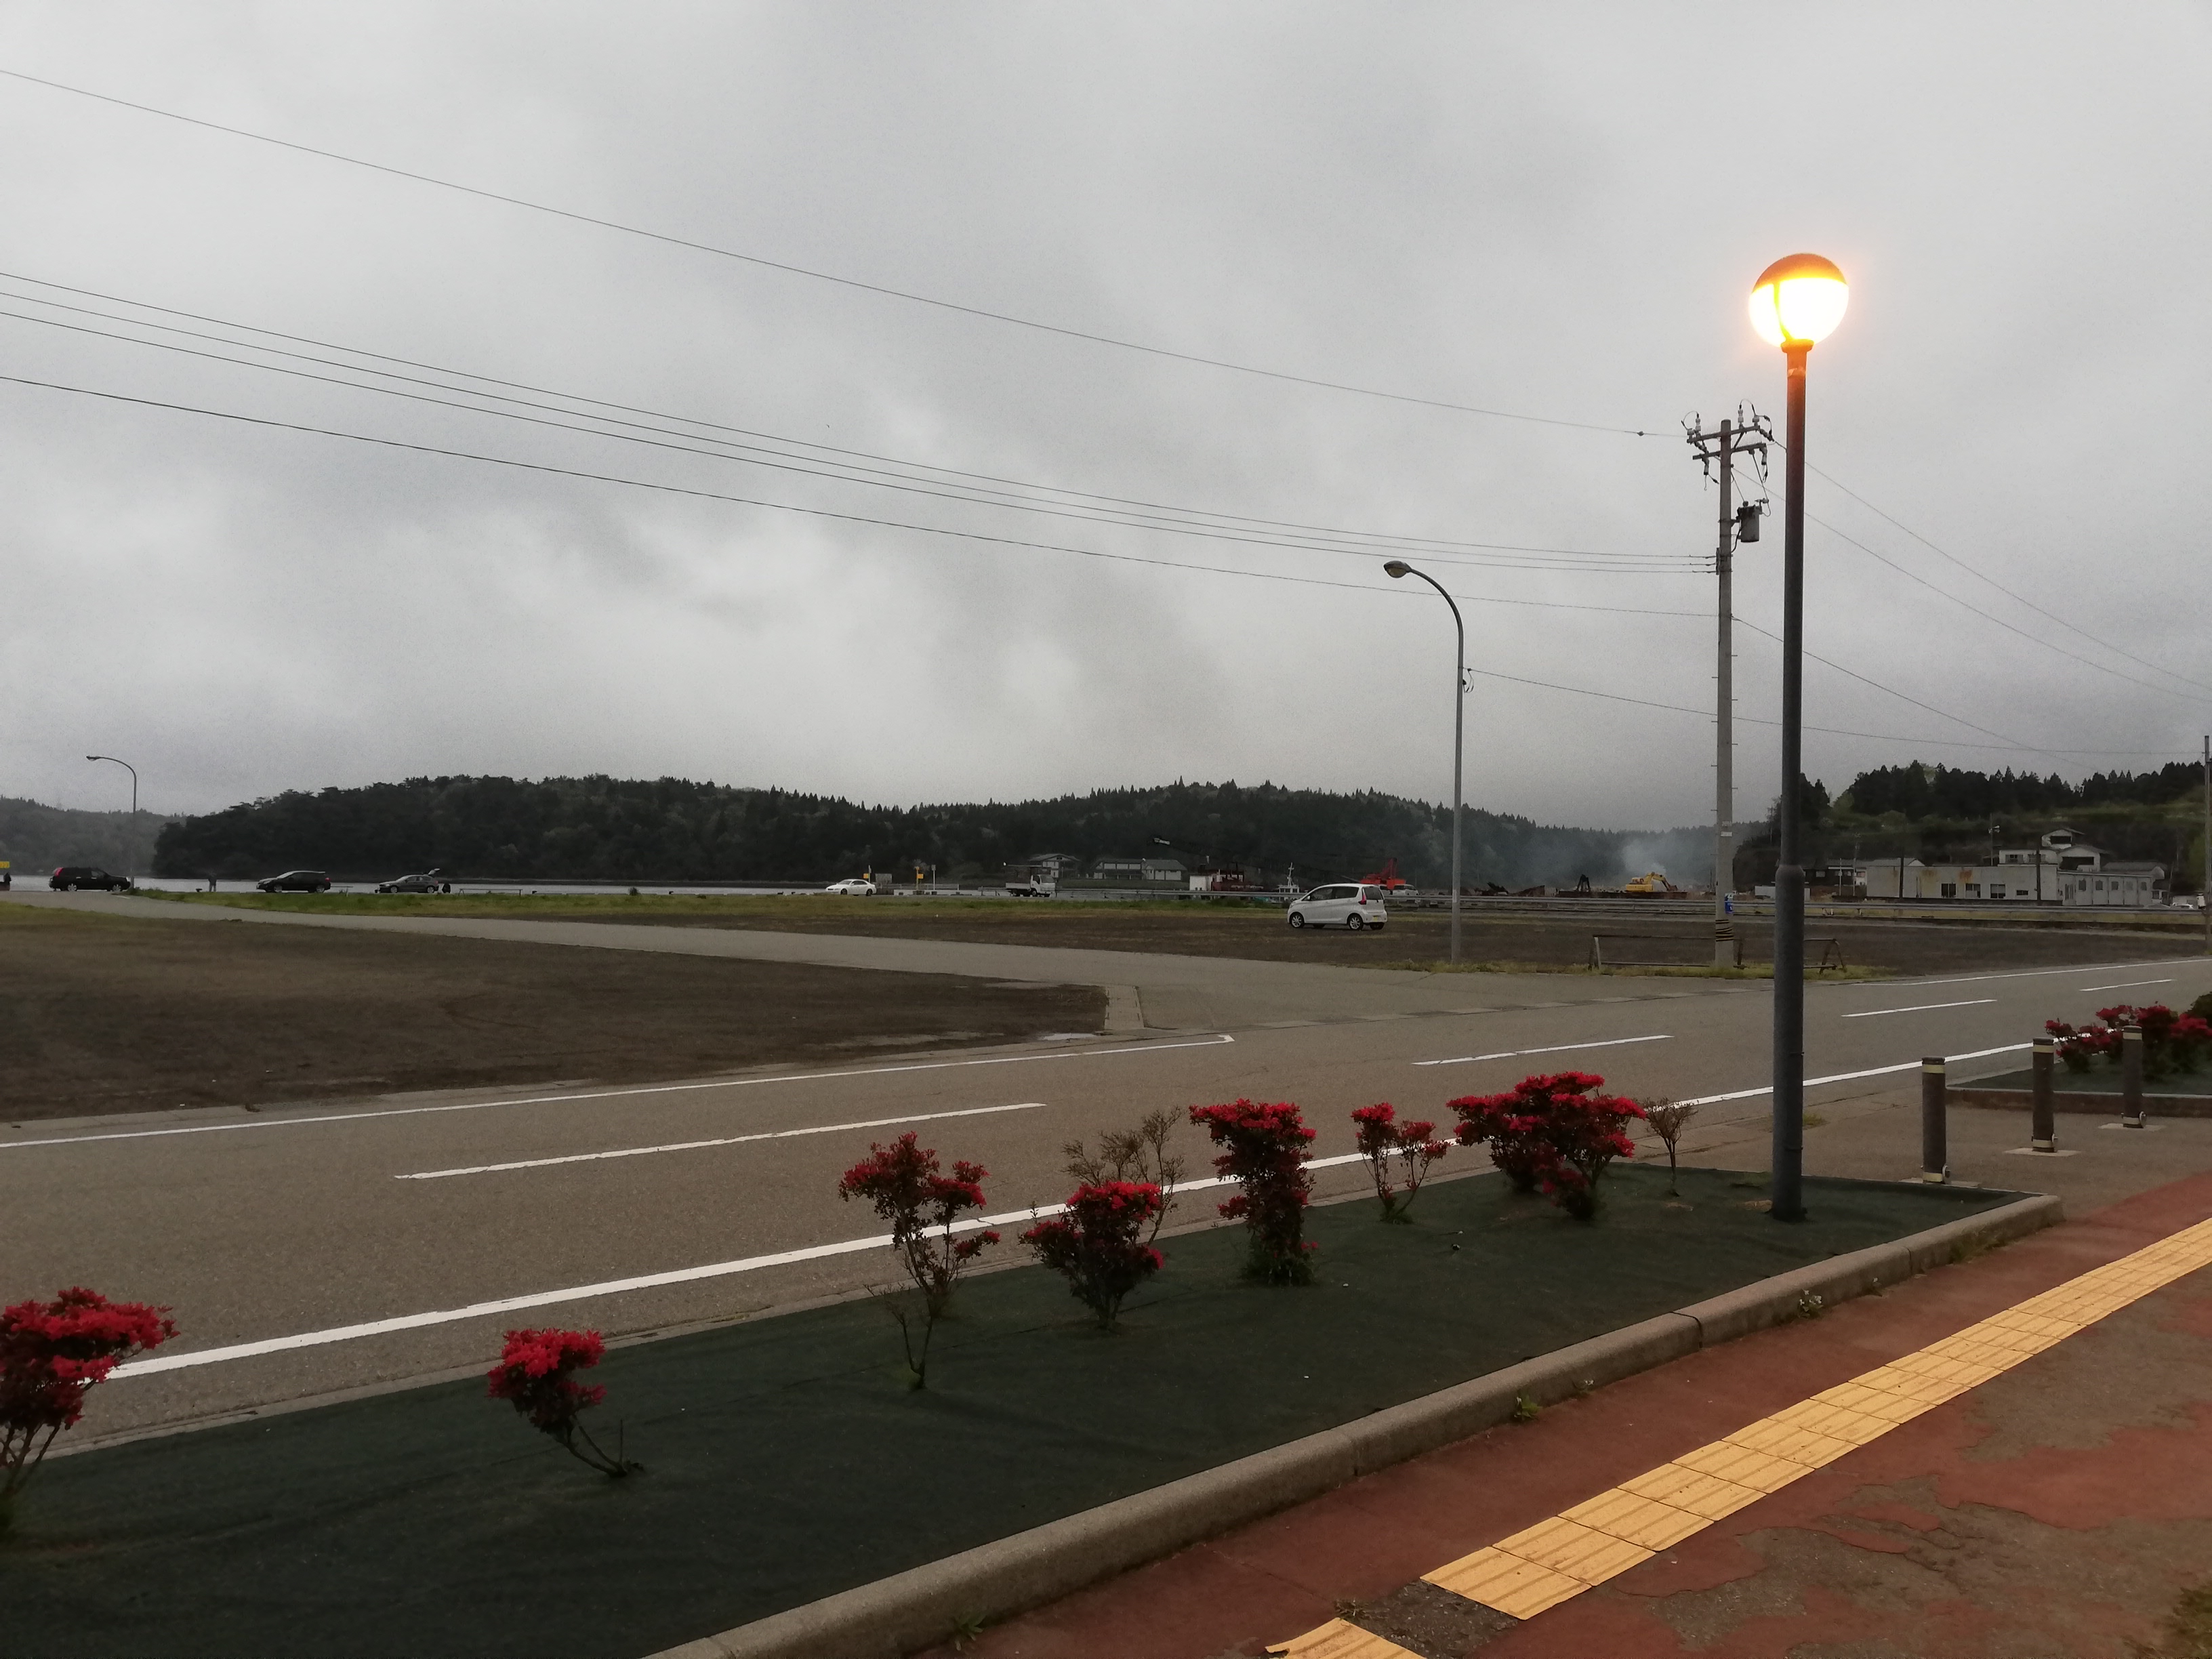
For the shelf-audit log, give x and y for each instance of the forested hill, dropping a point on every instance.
(614, 829)
(35, 837)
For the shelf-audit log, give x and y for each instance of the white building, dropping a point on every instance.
(2062, 869)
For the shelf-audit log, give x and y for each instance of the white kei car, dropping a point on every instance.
(1345, 904)
(852, 888)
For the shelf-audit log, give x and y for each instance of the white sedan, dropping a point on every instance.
(851, 888)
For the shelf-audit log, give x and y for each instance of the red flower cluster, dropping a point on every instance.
(1264, 1153)
(1411, 1146)
(1552, 1131)
(535, 1372)
(1096, 1245)
(905, 1183)
(2172, 1041)
(50, 1353)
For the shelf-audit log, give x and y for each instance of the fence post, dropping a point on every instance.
(2043, 1129)
(1597, 959)
(2132, 1102)
(1935, 1152)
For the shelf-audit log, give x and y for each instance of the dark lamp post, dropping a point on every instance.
(1794, 304)
(1395, 568)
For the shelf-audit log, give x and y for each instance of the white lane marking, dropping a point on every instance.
(1214, 1041)
(173, 1362)
(2024, 973)
(1851, 1077)
(725, 1140)
(1558, 1049)
(1918, 1008)
(2124, 985)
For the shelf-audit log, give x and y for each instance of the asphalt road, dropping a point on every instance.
(292, 1227)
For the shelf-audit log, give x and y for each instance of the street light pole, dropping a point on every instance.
(1395, 568)
(1794, 304)
(129, 767)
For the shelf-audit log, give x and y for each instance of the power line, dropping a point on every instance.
(695, 421)
(790, 269)
(965, 535)
(1892, 691)
(1532, 558)
(2053, 616)
(548, 469)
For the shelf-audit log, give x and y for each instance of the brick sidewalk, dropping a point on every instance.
(2058, 1509)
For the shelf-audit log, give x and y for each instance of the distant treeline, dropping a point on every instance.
(35, 837)
(1920, 791)
(670, 830)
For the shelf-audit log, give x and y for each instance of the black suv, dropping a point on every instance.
(70, 876)
(296, 881)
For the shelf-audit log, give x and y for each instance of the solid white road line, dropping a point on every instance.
(1558, 1049)
(2124, 985)
(726, 1140)
(175, 1362)
(1850, 1077)
(1214, 1041)
(1918, 1008)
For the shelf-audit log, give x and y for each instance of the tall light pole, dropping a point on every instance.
(1398, 568)
(129, 767)
(1794, 304)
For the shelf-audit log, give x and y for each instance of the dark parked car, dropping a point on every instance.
(70, 876)
(431, 881)
(296, 881)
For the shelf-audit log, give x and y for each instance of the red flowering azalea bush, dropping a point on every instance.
(52, 1353)
(1554, 1132)
(537, 1373)
(1264, 1153)
(908, 1189)
(1101, 1244)
(1398, 1156)
(2171, 1041)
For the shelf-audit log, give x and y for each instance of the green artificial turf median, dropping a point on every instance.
(787, 1460)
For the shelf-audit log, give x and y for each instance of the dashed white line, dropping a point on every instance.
(1918, 1008)
(2124, 985)
(1557, 1048)
(1214, 1041)
(725, 1140)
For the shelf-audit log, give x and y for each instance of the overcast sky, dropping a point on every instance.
(1552, 212)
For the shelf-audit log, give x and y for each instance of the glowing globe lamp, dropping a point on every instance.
(1798, 301)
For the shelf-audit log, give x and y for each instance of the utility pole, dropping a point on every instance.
(1745, 437)
(2207, 893)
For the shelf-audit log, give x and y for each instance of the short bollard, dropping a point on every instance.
(1935, 1152)
(2131, 1106)
(2041, 1130)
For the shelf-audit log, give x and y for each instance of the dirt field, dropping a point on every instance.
(1520, 940)
(108, 1014)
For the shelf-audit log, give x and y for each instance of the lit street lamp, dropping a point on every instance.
(1796, 303)
(1395, 568)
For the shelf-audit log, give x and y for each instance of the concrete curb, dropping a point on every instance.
(919, 1608)
(2079, 1100)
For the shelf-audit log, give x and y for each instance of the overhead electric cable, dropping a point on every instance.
(785, 266)
(697, 421)
(2063, 622)
(1892, 690)
(1531, 559)
(550, 470)
(1967, 604)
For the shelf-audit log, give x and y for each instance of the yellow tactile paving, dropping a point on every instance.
(1554, 1559)
(1569, 1546)
(1642, 1520)
(1339, 1640)
(1519, 1588)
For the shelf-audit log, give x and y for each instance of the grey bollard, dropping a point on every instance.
(1935, 1152)
(2131, 1106)
(2041, 1130)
